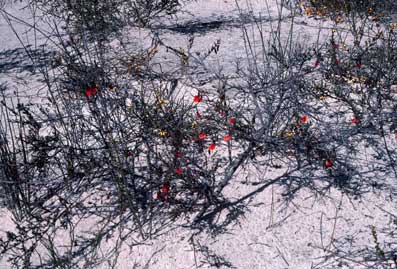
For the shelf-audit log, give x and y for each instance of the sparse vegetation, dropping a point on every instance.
(134, 150)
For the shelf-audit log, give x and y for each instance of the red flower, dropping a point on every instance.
(202, 136)
(328, 163)
(163, 193)
(334, 45)
(178, 171)
(336, 61)
(178, 155)
(316, 63)
(90, 91)
(358, 65)
(227, 138)
(304, 118)
(198, 115)
(197, 99)
(165, 188)
(355, 120)
(212, 147)
(232, 120)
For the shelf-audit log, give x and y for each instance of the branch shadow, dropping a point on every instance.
(25, 59)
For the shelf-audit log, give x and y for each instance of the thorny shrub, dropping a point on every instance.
(127, 148)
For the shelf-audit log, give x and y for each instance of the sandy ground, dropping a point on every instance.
(270, 236)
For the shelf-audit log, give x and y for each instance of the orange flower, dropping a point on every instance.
(304, 118)
(309, 11)
(212, 147)
(227, 138)
(355, 120)
(202, 136)
(328, 163)
(178, 171)
(197, 99)
(232, 120)
(91, 91)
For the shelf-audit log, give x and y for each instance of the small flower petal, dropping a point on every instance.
(202, 136)
(197, 99)
(178, 171)
(227, 138)
(304, 118)
(328, 163)
(212, 147)
(91, 91)
(165, 188)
